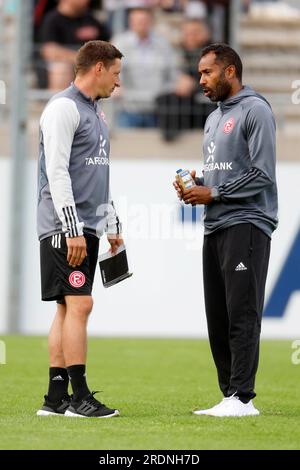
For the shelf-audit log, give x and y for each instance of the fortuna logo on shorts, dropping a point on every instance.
(77, 279)
(102, 158)
(210, 164)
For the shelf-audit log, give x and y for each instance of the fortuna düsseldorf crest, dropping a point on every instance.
(102, 115)
(77, 279)
(228, 126)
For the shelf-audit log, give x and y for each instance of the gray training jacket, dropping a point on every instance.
(239, 162)
(73, 172)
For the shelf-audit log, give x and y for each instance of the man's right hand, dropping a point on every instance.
(177, 187)
(76, 250)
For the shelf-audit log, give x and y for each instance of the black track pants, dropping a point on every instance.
(235, 265)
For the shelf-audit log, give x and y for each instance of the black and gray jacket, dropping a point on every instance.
(239, 163)
(73, 173)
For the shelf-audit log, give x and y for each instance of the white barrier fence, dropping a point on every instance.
(164, 298)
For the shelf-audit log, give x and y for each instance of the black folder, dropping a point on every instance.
(114, 268)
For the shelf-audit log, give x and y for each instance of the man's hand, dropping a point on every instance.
(177, 187)
(115, 241)
(76, 250)
(198, 195)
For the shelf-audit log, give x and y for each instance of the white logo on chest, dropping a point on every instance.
(102, 146)
(102, 158)
(211, 150)
(210, 164)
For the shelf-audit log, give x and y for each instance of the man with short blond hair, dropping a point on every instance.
(74, 210)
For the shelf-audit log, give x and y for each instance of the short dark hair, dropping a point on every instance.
(226, 55)
(95, 51)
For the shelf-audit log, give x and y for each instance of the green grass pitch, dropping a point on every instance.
(155, 383)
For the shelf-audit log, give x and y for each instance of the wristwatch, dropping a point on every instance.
(215, 194)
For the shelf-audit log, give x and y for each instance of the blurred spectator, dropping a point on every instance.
(190, 8)
(41, 8)
(187, 108)
(245, 5)
(195, 36)
(63, 31)
(195, 9)
(118, 12)
(172, 5)
(218, 15)
(149, 68)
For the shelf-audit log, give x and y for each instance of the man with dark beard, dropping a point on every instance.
(239, 192)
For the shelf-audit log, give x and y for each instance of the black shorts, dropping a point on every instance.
(58, 278)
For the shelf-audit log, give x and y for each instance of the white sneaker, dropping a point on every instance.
(231, 406)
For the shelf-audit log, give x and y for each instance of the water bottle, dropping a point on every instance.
(184, 180)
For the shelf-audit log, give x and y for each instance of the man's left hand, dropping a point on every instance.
(115, 241)
(198, 195)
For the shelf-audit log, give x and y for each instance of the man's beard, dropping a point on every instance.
(222, 90)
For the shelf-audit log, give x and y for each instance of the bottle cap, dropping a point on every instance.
(178, 171)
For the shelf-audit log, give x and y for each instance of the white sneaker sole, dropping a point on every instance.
(47, 413)
(216, 415)
(69, 414)
(202, 413)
